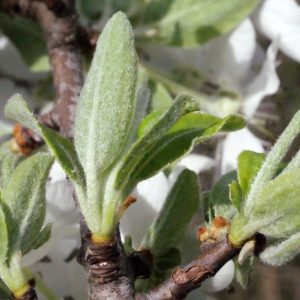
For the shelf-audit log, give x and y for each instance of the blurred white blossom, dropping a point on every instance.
(280, 20)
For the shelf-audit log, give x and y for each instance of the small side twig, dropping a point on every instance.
(211, 259)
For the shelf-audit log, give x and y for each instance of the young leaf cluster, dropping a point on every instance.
(263, 196)
(113, 151)
(22, 213)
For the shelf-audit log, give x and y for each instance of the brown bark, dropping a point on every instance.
(109, 272)
(58, 20)
(184, 280)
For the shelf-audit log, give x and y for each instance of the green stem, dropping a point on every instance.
(13, 276)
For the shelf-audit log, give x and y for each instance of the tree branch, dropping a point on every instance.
(58, 20)
(212, 257)
(109, 272)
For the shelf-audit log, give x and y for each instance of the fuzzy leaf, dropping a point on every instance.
(179, 207)
(279, 200)
(3, 236)
(63, 149)
(106, 106)
(283, 228)
(180, 139)
(147, 142)
(281, 253)
(17, 110)
(194, 22)
(24, 201)
(6, 170)
(277, 206)
(28, 37)
(219, 197)
(272, 163)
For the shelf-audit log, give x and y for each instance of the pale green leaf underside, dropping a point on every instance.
(277, 206)
(190, 130)
(17, 110)
(6, 170)
(282, 252)
(3, 236)
(63, 149)
(150, 138)
(24, 201)
(106, 105)
(193, 22)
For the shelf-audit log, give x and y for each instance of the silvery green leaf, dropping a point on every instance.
(283, 252)
(17, 110)
(193, 22)
(279, 198)
(219, 197)
(181, 138)
(63, 149)
(272, 162)
(6, 170)
(3, 236)
(177, 211)
(24, 201)
(160, 150)
(106, 106)
(284, 227)
(152, 134)
(278, 202)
